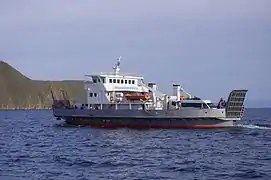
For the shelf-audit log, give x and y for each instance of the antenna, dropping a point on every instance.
(117, 66)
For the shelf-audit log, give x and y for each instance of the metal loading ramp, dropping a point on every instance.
(235, 104)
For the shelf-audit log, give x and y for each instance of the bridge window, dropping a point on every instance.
(90, 94)
(103, 80)
(114, 80)
(129, 81)
(94, 80)
(118, 81)
(95, 94)
(195, 105)
(110, 80)
(121, 81)
(133, 81)
(211, 105)
(125, 81)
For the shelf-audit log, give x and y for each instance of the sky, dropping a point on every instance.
(208, 46)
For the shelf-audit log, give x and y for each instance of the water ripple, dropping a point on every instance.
(35, 146)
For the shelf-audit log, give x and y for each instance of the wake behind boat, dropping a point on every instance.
(119, 100)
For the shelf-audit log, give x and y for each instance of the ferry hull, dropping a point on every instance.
(204, 118)
(150, 122)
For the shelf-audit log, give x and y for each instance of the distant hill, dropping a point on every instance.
(19, 92)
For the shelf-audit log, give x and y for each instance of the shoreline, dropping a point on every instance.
(15, 109)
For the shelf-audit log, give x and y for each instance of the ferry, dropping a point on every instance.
(114, 99)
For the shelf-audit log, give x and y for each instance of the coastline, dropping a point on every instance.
(15, 109)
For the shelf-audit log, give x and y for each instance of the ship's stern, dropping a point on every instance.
(235, 107)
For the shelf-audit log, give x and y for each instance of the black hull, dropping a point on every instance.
(149, 123)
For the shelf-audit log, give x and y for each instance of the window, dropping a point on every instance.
(204, 106)
(94, 80)
(90, 94)
(195, 105)
(114, 80)
(95, 94)
(110, 80)
(118, 81)
(121, 81)
(133, 81)
(103, 80)
(129, 81)
(211, 105)
(125, 81)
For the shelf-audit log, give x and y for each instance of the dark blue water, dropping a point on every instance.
(36, 146)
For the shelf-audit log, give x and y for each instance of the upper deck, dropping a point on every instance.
(112, 74)
(116, 81)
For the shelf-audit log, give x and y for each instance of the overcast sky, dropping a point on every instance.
(210, 47)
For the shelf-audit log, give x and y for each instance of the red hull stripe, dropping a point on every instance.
(146, 126)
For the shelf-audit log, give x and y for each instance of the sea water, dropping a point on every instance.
(33, 145)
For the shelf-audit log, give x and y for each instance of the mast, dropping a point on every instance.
(117, 66)
(116, 69)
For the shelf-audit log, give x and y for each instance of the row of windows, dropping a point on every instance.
(121, 81)
(95, 94)
(98, 80)
(195, 105)
(92, 94)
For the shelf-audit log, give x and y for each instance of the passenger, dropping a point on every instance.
(224, 104)
(219, 106)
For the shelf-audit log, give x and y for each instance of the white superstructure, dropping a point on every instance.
(116, 88)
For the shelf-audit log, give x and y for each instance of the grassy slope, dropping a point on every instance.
(18, 91)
